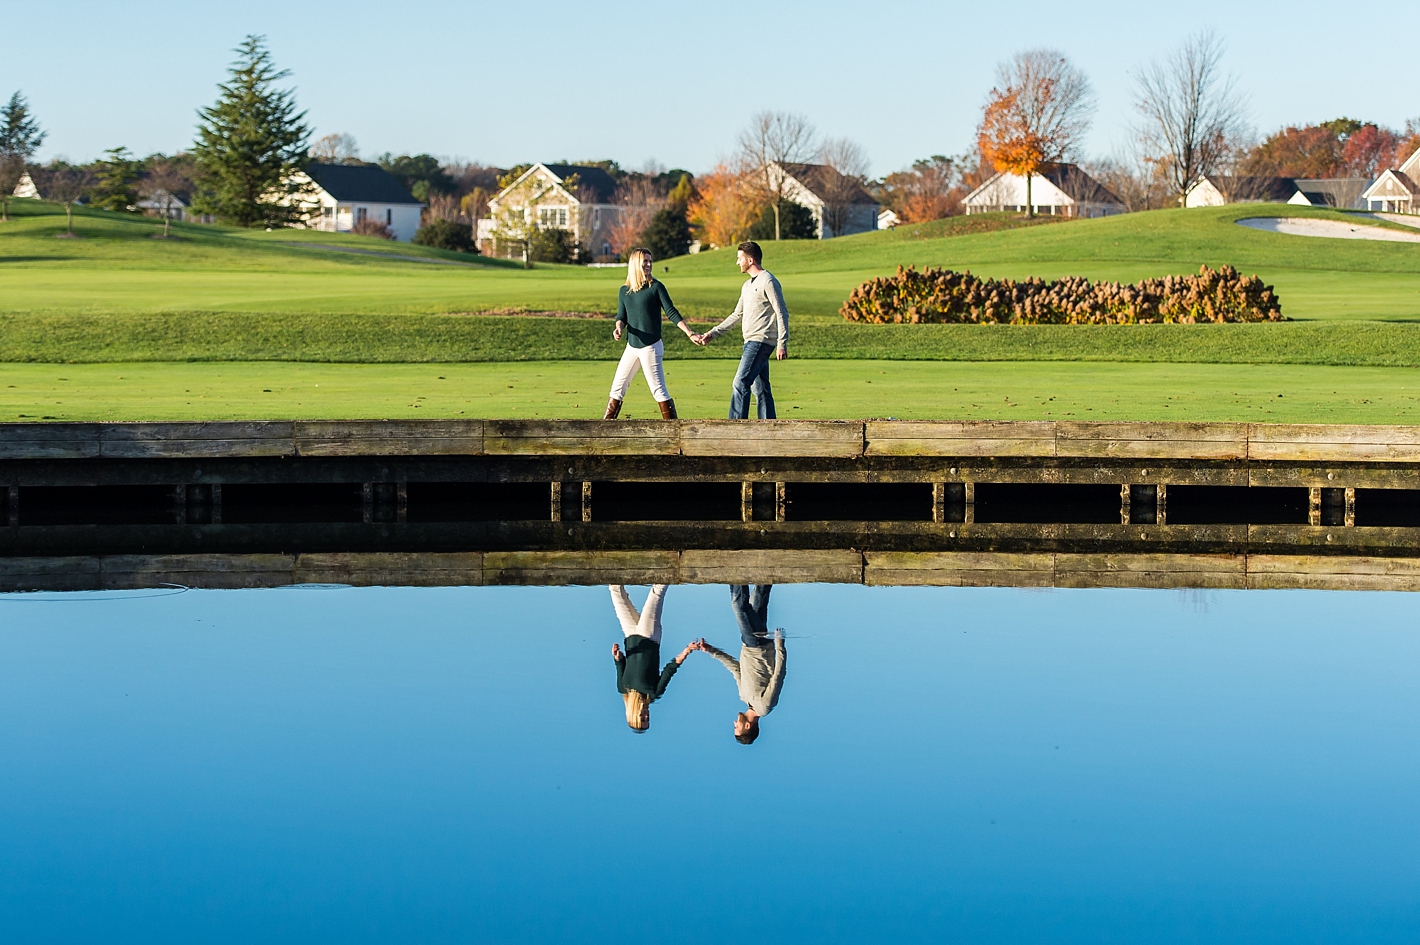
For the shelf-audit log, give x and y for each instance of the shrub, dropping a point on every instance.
(446, 234)
(369, 227)
(553, 246)
(668, 234)
(941, 296)
(795, 223)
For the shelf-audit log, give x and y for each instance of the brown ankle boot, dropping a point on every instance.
(668, 410)
(613, 408)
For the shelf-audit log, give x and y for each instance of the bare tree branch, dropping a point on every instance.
(1191, 111)
(772, 140)
(847, 165)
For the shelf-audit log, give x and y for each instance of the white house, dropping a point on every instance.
(175, 206)
(839, 203)
(342, 195)
(571, 197)
(1058, 189)
(1216, 190)
(1397, 190)
(887, 219)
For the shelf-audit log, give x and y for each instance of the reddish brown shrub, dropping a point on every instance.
(371, 227)
(941, 296)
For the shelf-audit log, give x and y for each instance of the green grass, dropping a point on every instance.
(804, 390)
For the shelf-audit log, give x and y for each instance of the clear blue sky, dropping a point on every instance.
(507, 82)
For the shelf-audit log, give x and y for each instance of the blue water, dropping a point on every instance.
(453, 765)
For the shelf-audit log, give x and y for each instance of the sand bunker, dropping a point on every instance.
(1335, 229)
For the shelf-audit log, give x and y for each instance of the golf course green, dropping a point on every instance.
(136, 322)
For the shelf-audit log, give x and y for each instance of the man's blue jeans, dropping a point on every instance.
(751, 609)
(753, 377)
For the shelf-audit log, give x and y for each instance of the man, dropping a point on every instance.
(759, 672)
(765, 324)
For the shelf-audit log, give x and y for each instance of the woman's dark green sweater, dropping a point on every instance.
(642, 313)
(637, 668)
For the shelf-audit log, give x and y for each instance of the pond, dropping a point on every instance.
(324, 763)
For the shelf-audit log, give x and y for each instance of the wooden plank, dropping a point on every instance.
(771, 567)
(49, 573)
(1210, 441)
(1306, 537)
(771, 438)
(388, 437)
(197, 440)
(1333, 572)
(1316, 442)
(580, 567)
(392, 569)
(581, 437)
(1151, 570)
(49, 440)
(220, 571)
(1333, 476)
(959, 569)
(956, 438)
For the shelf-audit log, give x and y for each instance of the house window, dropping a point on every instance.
(552, 217)
(606, 249)
(327, 211)
(389, 216)
(360, 214)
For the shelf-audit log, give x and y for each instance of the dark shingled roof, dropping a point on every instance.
(1244, 189)
(819, 179)
(1079, 186)
(360, 182)
(594, 184)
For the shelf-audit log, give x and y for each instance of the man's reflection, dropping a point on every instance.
(759, 672)
(637, 678)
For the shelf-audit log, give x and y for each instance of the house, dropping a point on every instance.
(175, 206)
(573, 197)
(1215, 190)
(1397, 190)
(887, 219)
(26, 187)
(1057, 190)
(341, 195)
(839, 203)
(1341, 192)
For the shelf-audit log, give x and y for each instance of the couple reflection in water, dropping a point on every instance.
(758, 673)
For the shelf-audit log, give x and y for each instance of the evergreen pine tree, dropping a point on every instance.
(118, 175)
(20, 138)
(251, 143)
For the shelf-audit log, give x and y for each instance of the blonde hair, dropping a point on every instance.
(637, 705)
(636, 278)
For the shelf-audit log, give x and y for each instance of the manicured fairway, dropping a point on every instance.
(805, 389)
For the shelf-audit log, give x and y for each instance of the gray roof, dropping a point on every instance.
(1079, 186)
(1333, 191)
(596, 184)
(1247, 189)
(360, 182)
(820, 180)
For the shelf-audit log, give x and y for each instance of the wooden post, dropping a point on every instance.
(557, 501)
(1314, 505)
(781, 505)
(216, 503)
(14, 507)
(1350, 508)
(747, 501)
(1161, 517)
(939, 502)
(367, 502)
(970, 509)
(401, 508)
(586, 501)
(1124, 504)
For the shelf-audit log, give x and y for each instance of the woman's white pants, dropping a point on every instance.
(647, 623)
(645, 359)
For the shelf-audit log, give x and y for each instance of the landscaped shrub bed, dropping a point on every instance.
(941, 296)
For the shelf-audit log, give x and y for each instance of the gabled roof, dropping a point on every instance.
(596, 185)
(1332, 191)
(1403, 180)
(1069, 179)
(1411, 165)
(360, 182)
(823, 181)
(1250, 188)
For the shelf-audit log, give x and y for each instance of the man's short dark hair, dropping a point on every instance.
(749, 734)
(751, 249)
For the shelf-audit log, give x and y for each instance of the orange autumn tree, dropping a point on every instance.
(723, 207)
(1035, 116)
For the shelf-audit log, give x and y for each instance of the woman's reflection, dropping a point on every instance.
(637, 678)
(759, 672)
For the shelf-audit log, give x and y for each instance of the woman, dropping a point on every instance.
(637, 678)
(638, 315)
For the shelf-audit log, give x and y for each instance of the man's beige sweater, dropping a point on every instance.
(758, 673)
(762, 311)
